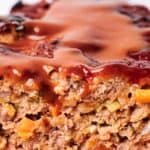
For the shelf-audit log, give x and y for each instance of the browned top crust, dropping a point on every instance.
(104, 37)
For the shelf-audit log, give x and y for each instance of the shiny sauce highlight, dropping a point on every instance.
(87, 37)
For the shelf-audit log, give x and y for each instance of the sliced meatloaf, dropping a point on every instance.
(75, 75)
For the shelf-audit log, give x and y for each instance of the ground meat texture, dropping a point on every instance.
(99, 119)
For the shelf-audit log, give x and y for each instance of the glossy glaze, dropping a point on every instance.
(87, 37)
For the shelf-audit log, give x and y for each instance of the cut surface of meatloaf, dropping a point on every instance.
(75, 75)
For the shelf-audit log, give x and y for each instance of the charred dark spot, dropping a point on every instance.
(129, 95)
(1, 130)
(132, 108)
(72, 143)
(122, 138)
(68, 115)
(34, 116)
(19, 146)
(94, 123)
(146, 119)
(104, 124)
(1, 126)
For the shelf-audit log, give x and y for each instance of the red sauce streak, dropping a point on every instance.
(87, 37)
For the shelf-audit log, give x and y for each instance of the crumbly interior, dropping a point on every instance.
(87, 115)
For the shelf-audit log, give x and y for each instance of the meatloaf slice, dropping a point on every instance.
(75, 78)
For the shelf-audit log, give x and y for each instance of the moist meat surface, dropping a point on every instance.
(107, 114)
(73, 79)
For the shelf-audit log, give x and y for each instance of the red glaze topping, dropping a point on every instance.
(88, 37)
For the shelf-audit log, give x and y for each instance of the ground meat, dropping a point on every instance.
(35, 123)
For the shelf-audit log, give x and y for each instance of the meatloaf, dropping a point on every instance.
(75, 75)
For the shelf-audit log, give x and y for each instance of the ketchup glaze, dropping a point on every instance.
(86, 37)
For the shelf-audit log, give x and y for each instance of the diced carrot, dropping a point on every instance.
(54, 110)
(26, 128)
(142, 95)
